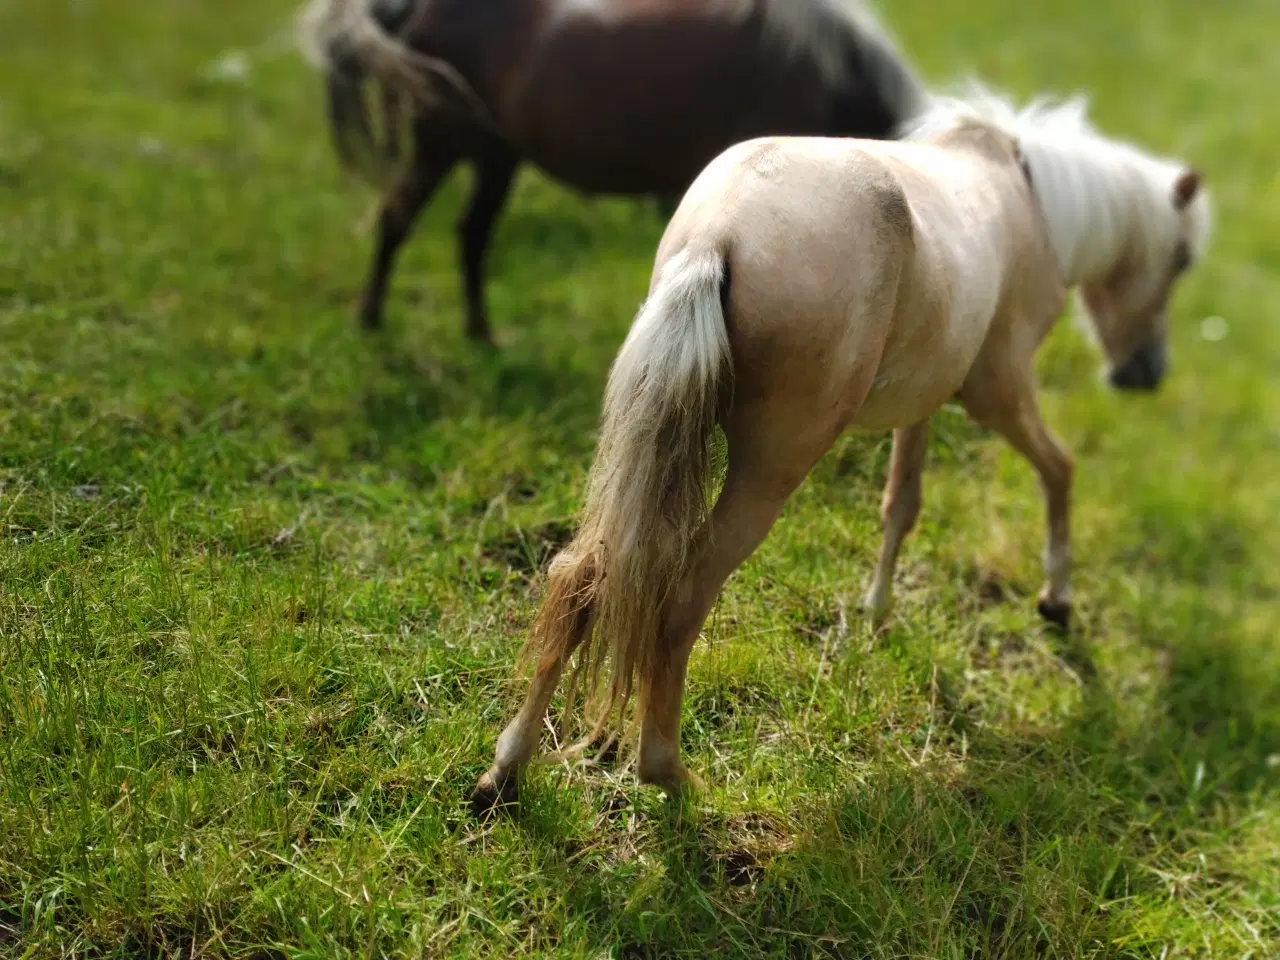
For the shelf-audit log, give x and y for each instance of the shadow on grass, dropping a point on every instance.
(1039, 844)
(412, 393)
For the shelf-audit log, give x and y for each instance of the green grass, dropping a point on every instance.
(262, 578)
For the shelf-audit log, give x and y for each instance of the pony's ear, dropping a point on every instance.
(1185, 188)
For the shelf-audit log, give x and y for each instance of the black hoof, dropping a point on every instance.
(1055, 612)
(370, 321)
(488, 798)
(478, 332)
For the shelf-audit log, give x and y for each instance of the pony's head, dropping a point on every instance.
(1124, 225)
(1129, 303)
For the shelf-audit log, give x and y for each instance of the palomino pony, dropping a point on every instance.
(607, 96)
(806, 286)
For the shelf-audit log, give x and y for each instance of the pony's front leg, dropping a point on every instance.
(1021, 425)
(898, 511)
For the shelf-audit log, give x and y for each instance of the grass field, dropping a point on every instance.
(262, 578)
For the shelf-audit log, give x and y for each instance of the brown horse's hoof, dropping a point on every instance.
(488, 797)
(480, 334)
(370, 319)
(1056, 612)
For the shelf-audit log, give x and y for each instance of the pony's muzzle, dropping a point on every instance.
(1144, 370)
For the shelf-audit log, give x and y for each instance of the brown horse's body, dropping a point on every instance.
(607, 96)
(638, 97)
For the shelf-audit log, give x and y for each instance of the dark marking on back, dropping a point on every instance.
(894, 206)
(766, 160)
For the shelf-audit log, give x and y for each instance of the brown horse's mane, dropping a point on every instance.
(824, 30)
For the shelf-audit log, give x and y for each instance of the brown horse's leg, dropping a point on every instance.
(1021, 425)
(431, 163)
(495, 172)
(750, 502)
(898, 511)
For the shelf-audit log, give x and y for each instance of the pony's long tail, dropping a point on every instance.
(355, 44)
(648, 491)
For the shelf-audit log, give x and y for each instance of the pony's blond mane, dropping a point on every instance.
(824, 30)
(1096, 193)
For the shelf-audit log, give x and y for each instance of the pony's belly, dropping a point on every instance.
(912, 383)
(891, 405)
(937, 333)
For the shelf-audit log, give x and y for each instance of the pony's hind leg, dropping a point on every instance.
(431, 162)
(518, 742)
(495, 172)
(898, 512)
(750, 502)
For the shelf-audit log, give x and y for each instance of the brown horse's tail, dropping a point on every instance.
(355, 42)
(647, 495)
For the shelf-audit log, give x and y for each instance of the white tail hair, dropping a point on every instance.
(647, 496)
(347, 41)
(333, 31)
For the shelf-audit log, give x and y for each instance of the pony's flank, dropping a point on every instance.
(1100, 197)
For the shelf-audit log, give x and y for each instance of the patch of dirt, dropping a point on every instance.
(524, 489)
(754, 841)
(741, 868)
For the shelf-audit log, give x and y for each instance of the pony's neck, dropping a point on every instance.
(1098, 198)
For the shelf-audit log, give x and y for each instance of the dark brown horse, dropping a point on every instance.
(607, 96)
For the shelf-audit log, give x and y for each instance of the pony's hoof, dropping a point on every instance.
(1056, 612)
(874, 607)
(677, 782)
(488, 797)
(875, 610)
(694, 785)
(680, 791)
(877, 617)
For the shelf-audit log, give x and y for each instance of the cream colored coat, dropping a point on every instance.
(809, 286)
